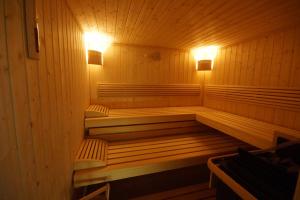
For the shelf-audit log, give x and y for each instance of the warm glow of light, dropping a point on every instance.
(97, 41)
(205, 53)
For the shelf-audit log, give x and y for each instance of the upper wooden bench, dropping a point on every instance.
(254, 132)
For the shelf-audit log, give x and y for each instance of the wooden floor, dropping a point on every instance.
(145, 156)
(192, 192)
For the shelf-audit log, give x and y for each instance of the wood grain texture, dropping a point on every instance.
(141, 127)
(9, 159)
(184, 23)
(134, 116)
(128, 121)
(280, 98)
(170, 80)
(130, 90)
(42, 102)
(145, 156)
(95, 110)
(267, 66)
(254, 132)
(151, 133)
(124, 121)
(92, 153)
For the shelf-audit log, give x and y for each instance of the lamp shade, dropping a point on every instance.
(95, 57)
(204, 65)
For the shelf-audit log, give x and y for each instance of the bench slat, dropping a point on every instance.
(132, 120)
(96, 111)
(92, 153)
(150, 133)
(142, 127)
(146, 156)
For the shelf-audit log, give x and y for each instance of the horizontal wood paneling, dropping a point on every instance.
(42, 102)
(185, 23)
(132, 67)
(119, 89)
(262, 65)
(281, 98)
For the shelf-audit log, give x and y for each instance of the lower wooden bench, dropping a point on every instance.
(145, 156)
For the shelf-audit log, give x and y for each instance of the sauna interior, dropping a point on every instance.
(149, 99)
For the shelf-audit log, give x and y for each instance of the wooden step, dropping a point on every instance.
(141, 127)
(96, 111)
(92, 153)
(199, 192)
(150, 133)
(134, 120)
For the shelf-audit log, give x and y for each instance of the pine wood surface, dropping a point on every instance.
(92, 153)
(143, 156)
(42, 102)
(258, 79)
(131, 78)
(96, 111)
(185, 23)
(254, 132)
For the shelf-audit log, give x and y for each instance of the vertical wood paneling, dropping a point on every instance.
(42, 102)
(269, 61)
(9, 159)
(135, 65)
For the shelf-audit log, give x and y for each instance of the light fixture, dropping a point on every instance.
(204, 57)
(204, 65)
(95, 57)
(95, 44)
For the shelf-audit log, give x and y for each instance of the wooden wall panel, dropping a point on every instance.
(135, 90)
(267, 62)
(42, 102)
(137, 65)
(8, 149)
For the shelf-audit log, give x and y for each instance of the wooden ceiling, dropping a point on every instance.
(185, 23)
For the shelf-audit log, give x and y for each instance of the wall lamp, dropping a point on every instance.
(96, 43)
(204, 57)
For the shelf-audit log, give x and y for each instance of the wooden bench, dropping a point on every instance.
(148, 140)
(144, 156)
(254, 132)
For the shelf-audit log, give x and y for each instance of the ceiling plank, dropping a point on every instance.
(184, 24)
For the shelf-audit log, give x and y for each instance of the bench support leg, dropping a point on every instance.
(99, 191)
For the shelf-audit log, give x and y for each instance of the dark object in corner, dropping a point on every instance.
(268, 175)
